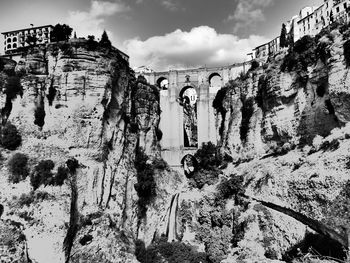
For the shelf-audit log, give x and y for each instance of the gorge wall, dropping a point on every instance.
(282, 150)
(87, 105)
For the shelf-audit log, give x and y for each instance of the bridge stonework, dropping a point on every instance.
(194, 116)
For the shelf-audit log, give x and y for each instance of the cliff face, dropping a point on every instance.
(286, 121)
(85, 105)
(279, 173)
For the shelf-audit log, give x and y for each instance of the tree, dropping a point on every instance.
(91, 43)
(61, 33)
(18, 168)
(10, 137)
(283, 37)
(105, 42)
(42, 174)
(31, 40)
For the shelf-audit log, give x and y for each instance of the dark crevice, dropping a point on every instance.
(6, 111)
(329, 107)
(247, 113)
(52, 93)
(39, 112)
(74, 213)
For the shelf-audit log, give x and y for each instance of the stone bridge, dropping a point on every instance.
(187, 116)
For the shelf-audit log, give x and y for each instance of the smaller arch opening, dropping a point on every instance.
(189, 164)
(215, 80)
(14, 39)
(14, 45)
(9, 40)
(163, 83)
(8, 46)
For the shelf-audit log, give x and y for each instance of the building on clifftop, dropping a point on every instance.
(310, 21)
(18, 38)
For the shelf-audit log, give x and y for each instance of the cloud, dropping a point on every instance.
(198, 47)
(248, 14)
(170, 5)
(92, 22)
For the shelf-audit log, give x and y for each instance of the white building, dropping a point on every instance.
(310, 21)
(17, 38)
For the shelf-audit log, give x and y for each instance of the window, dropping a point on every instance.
(9, 46)
(14, 45)
(8, 40)
(345, 6)
(338, 9)
(14, 39)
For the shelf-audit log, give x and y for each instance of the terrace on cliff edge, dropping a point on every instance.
(258, 172)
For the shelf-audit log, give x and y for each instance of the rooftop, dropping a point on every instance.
(29, 28)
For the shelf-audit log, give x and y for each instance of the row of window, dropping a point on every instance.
(9, 46)
(9, 40)
(29, 31)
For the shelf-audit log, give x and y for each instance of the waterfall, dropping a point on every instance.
(171, 231)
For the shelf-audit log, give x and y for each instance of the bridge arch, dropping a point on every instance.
(188, 100)
(163, 83)
(215, 80)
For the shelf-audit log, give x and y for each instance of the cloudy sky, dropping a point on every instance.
(163, 34)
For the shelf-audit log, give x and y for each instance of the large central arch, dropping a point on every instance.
(188, 100)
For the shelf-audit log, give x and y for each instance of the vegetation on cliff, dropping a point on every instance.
(146, 185)
(18, 168)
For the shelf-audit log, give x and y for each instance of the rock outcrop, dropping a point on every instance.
(85, 105)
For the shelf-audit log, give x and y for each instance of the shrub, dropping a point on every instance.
(160, 164)
(26, 199)
(175, 252)
(301, 56)
(232, 187)
(31, 197)
(42, 174)
(10, 137)
(91, 43)
(146, 185)
(209, 156)
(17, 166)
(209, 160)
(72, 165)
(254, 65)
(243, 76)
(61, 175)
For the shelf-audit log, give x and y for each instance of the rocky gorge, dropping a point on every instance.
(275, 188)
